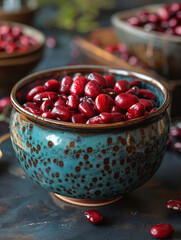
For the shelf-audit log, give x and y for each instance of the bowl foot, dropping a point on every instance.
(87, 202)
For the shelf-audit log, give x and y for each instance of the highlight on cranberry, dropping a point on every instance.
(167, 19)
(162, 230)
(13, 39)
(91, 99)
(174, 205)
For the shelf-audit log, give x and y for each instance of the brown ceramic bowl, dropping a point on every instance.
(159, 51)
(16, 65)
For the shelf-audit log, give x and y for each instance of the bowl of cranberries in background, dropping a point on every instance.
(153, 34)
(21, 48)
(89, 134)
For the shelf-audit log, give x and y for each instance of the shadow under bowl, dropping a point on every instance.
(158, 51)
(89, 164)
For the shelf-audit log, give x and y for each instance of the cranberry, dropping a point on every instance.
(46, 106)
(134, 21)
(164, 13)
(174, 205)
(97, 77)
(86, 109)
(59, 102)
(169, 143)
(72, 101)
(110, 81)
(16, 32)
(39, 97)
(111, 48)
(76, 75)
(118, 117)
(63, 97)
(177, 147)
(125, 100)
(51, 42)
(162, 231)
(147, 103)
(153, 18)
(93, 120)
(176, 132)
(178, 30)
(4, 102)
(136, 82)
(78, 118)
(33, 92)
(121, 86)
(92, 89)
(32, 110)
(31, 105)
(47, 115)
(62, 113)
(102, 103)
(134, 90)
(52, 85)
(87, 99)
(144, 93)
(105, 117)
(93, 216)
(172, 22)
(65, 84)
(78, 85)
(110, 92)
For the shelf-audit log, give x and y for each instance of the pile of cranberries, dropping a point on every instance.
(13, 39)
(90, 99)
(167, 19)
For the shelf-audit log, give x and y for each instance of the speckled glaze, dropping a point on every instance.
(85, 161)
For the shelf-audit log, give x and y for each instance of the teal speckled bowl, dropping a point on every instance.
(89, 164)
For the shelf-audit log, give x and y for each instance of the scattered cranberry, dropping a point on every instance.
(93, 216)
(162, 231)
(177, 147)
(167, 19)
(174, 205)
(51, 42)
(176, 132)
(90, 99)
(13, 39)
(4, 102)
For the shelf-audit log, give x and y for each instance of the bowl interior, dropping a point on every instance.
(30, 31)
(20, 90)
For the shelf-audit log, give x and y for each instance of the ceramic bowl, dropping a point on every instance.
(16, 65)
(158, 51)
(89, 164)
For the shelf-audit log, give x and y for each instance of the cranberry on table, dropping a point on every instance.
(174, 205)
(162, 231)
(93, 216)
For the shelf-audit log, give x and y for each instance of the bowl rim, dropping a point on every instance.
(33, 49)
(117, 21)
(84, 68)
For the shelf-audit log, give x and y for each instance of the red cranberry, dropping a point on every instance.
(52, 85)
(134, 90)
(176, 132)
(76, 75)
(136, 82)
(47, 115)
(46, 106)
(174, 205)
(59, 102)
(164, 13)
(111, 48)
(102, 103)
(144, 93)
(32, 110)
(147, 103)
(169, 143)
(5, 29)
(63, 97)
(110, 81)
(86, 109)
(110, 92)
(62, 113)
(16, 32)
(115, 109)
(118, 117)
(51, 42)
(78, 118)
(177, 147)
(162, 231)
(72, 101)
(105, 117)
(172, 22)
(125, 100)
(153, 18)
(65, 84)
(97, 77)
(4, 102)
(174, 7)
(93, 120)
(87, 99)
(39, 97)
(33, 92)
(121, 86)
(31, 105)
(92, 89)
(11, 47)
(78, 85)
(136, 110)
(178, 30)
(134, 21)
(93, 216)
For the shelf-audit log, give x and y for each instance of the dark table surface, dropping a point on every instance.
(28, 211)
